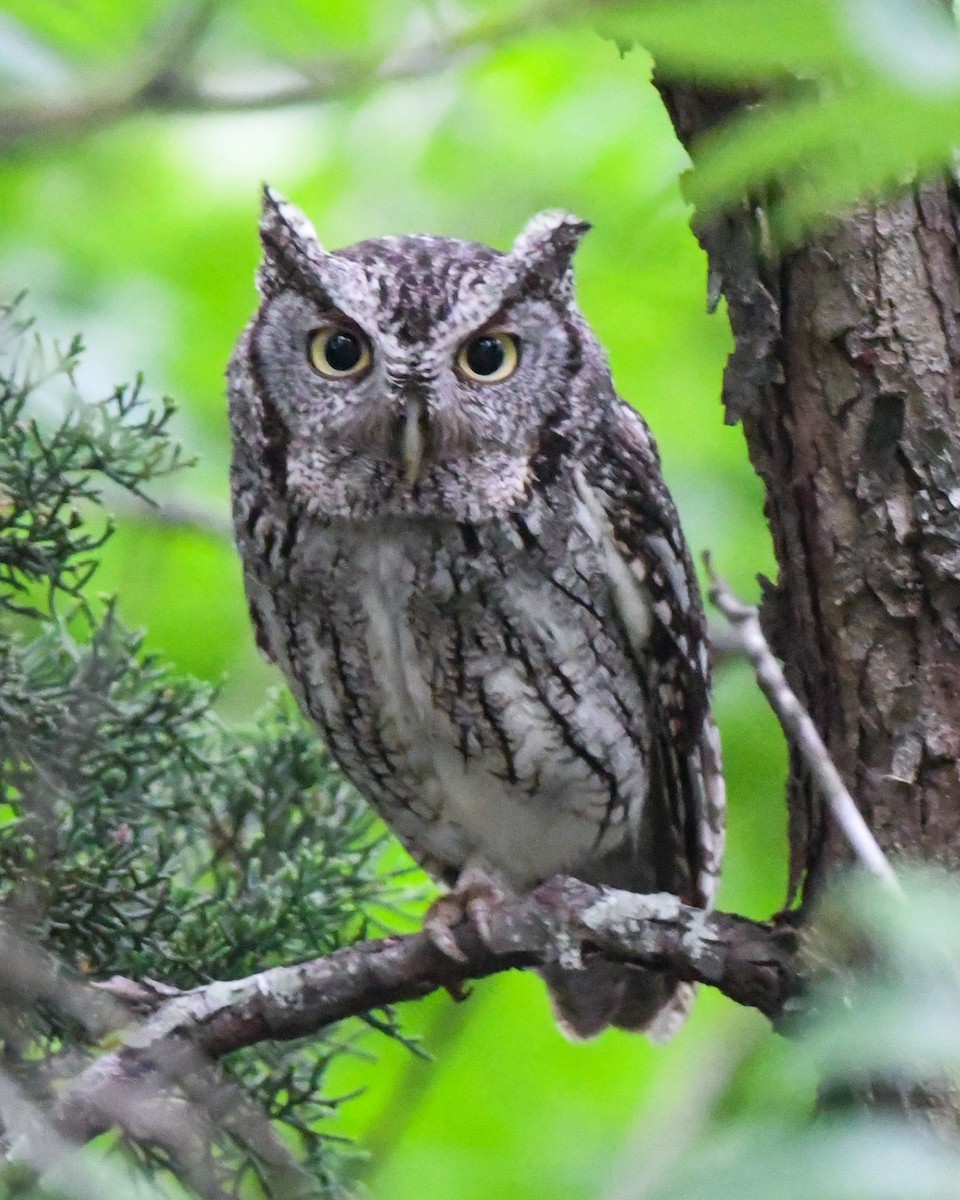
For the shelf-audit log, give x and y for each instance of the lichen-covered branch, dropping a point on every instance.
(752, 962)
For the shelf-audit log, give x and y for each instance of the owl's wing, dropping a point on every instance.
(657, 601)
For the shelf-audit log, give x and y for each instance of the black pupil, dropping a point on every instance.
(485, 355)
(342, 351)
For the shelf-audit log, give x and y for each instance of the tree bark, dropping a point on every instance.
(845, 374)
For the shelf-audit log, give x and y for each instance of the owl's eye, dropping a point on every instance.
(488, 357)
(339, 353)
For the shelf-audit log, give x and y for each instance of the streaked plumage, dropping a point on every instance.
(478, 591)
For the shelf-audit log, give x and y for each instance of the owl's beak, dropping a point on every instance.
(412, 441)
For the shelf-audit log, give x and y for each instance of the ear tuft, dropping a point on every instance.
(290, 243)
(546, 245)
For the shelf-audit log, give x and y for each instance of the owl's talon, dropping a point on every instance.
(478, 910)
(477, 893)
(446, 943)
(442, 915)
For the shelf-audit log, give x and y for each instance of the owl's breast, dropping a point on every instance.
(475, 688)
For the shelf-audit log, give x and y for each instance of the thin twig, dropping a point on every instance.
(163, 83)
(140, 85)
(800, 729)
(725, 645)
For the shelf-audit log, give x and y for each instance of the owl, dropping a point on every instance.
(459, 549)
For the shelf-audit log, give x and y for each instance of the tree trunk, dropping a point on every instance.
(846, 376)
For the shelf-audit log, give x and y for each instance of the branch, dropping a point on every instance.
(800, 730)
(751, 962)
(164, 82)
(180, 1102)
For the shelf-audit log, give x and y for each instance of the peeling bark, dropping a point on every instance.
(861, 459)
(846, 375)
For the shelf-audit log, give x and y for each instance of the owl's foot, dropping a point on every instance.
(478, 891)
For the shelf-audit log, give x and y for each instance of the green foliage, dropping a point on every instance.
(852, 97)
(142, 233)
(881, 1041)
(46, 474)
(140, 834)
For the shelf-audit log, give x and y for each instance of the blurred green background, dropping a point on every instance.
(142, 235)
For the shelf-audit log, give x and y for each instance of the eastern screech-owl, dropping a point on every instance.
(459, 548)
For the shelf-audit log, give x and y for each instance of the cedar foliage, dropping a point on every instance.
(140, 835)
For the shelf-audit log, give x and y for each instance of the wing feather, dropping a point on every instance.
(630, 516)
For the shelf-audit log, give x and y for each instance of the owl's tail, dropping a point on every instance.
(587, 1001)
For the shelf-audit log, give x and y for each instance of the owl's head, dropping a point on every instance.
(414, 375)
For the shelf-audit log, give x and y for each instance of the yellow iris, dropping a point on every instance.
(488, 357)
(339, 352)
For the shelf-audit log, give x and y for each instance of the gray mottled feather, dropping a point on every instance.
(507, 656)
